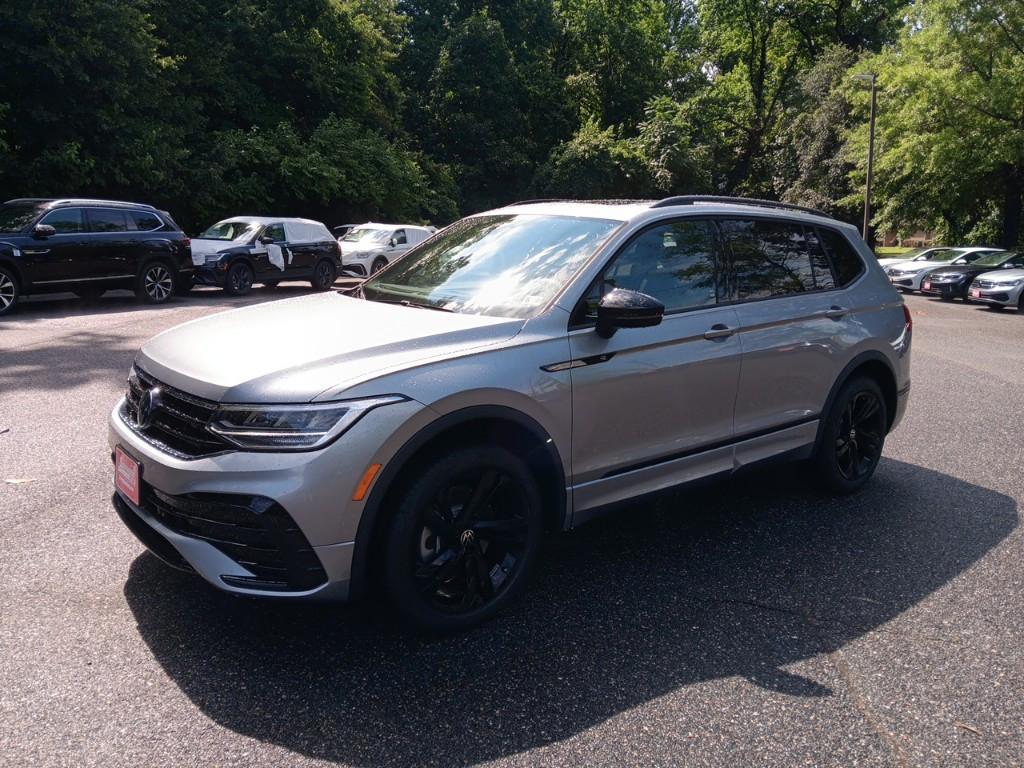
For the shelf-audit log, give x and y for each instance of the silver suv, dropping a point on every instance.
(517, 373)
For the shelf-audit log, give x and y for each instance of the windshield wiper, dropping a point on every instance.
(404, 302)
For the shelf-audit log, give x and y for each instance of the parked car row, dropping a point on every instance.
(987, 275)
(89, 246)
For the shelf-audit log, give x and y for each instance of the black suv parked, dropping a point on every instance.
(88, 247)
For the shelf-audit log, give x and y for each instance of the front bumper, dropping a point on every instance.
(1004, 296)
(313, 489)
(945, 290)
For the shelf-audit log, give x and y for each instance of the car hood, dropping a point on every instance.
(891, 262)
(959, 269)
(1001, 275)
(361, 247)
(918, 265)
(201, 247)
(311, 347)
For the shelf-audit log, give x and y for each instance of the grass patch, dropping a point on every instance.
(893, 250)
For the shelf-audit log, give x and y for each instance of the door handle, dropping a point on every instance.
(719, 331)
(36, 251)
(835, 312)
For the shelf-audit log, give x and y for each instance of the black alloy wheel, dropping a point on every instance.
(155, 283)
(852, 437)
(464, 539)
(378, 264)
(324, 275)
(8, 291)
(239, 279)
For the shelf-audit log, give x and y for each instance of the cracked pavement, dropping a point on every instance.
(745, 623)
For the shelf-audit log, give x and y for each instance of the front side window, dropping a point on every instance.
(104, 220)
(768, 258)
(506, 266)
(234, 231)
(14, 217)
(674, 263)
(65, 220)
(275, 232)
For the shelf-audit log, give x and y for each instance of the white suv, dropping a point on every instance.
(370, 247)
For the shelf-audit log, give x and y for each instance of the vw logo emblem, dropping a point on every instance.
(148, 403)
(467, 537)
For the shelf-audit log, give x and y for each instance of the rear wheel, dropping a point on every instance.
(155, 283)
(378, 264)
(324, 275)
(239, 279)
(8, 290)
(852, 437)
(464, 539)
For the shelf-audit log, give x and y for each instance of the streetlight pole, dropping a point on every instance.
(871, 159)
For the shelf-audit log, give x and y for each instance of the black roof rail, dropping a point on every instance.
(55, 202)
(692, 199)
(617, 201)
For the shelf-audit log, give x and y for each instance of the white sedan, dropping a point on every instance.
(907, 275)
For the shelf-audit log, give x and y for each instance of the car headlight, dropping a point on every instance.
(949, 277)
(304, 427)
(1012, 284)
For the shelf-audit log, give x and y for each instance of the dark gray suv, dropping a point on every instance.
(518, 372)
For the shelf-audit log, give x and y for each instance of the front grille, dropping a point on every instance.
(254, 531)
(178, 422)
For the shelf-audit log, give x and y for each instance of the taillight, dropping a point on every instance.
(907, 318)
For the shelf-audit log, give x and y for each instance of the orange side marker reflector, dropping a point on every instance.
(364, 484)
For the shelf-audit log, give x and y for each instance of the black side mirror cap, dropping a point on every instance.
(43, 230)
(620, 308)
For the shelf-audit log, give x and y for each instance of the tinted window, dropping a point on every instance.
(820, 262)
(769, 258)
(102, 220)
(275, 231)
(16, 216)
(144, 222)
(845, 261)
(65, 220)
(674, 263)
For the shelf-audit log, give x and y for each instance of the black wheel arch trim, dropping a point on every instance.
(361, 558)
(869, 356)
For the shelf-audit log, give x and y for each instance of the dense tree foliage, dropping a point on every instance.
(425, 109)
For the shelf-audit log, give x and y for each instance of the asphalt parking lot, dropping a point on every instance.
(750, 623)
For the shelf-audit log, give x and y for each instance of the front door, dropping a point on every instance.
(654, 406)
(60, 258)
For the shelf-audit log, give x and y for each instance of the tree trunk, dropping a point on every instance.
(1012, 188)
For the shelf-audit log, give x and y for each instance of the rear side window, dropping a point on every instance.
(845, 262)
(400, 237)
(770, 258)
(145, 222)
(65, 220)
(103, 220)
(275, 232)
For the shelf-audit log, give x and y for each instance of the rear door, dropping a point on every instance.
(63, 256)
(648, 399)
(302, 248)
(796, 326)
(110, 252)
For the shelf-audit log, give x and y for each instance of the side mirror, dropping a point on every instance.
(627, 309)
(43, 231)
(393, 242)
(267, 240)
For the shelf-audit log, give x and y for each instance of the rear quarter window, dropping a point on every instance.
(145, 221)
(846, 264)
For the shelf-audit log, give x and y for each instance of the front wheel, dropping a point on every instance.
(852, 438)
(8, 290)
(239, 279)
(324, 275)
(378, 264)
(463, 540)
(155, 283)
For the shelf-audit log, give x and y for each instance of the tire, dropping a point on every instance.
(449, 566)
(378, 264)
(9, 290)
(996, 307)
(1020, 303)
(852, 438)
(238, 281)
(270, 284)
(155, 283)
(324, 275)
(184, 286)
(90, 293)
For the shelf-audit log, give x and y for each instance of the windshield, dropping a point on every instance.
(994, 259)
(15, 217)
(367, 235)
(946, 254)
(230, 230)
(509, 266)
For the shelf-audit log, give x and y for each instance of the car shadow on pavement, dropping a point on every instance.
(737, 579)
